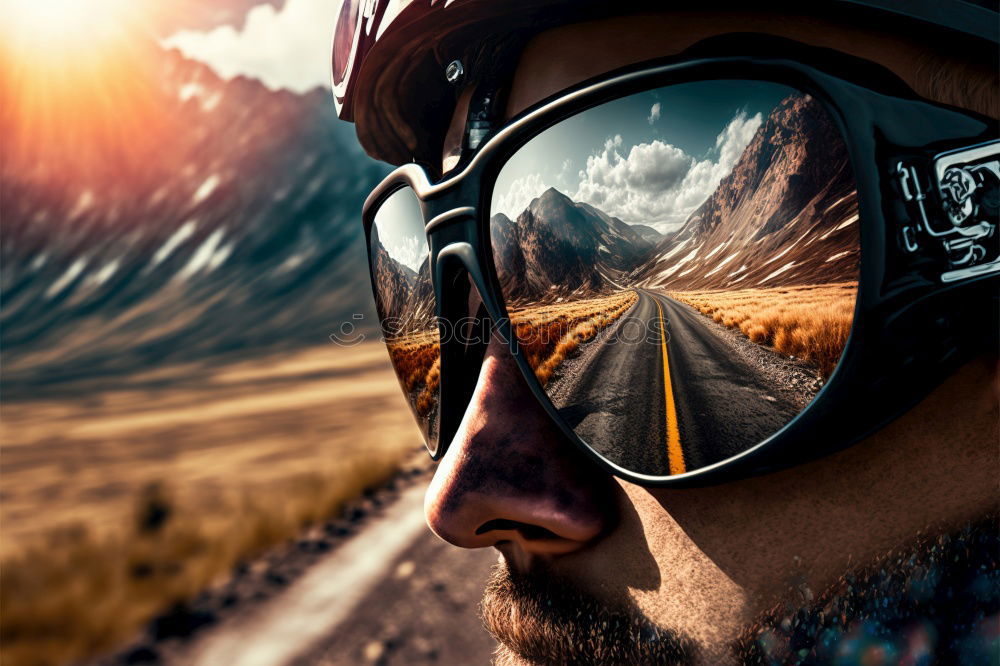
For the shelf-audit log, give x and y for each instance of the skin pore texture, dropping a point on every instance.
(698, 564)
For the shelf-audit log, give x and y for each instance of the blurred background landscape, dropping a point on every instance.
(180, 238)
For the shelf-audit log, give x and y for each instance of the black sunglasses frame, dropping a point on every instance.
(910, 330)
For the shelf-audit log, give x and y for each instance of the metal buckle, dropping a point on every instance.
(958, 212)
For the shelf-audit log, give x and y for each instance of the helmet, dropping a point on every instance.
(390, 56)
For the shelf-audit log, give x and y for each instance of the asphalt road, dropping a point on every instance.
(661, 392)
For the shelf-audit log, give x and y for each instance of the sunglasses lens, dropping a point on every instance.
(680, 267)
(404, 298)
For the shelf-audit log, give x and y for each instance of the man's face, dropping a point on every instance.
(595, 568)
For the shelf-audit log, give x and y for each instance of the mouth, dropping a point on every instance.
(540, 617)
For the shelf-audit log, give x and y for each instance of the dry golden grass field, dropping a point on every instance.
(809, 322)
(549, 334)
(417, 359)
(119, 504)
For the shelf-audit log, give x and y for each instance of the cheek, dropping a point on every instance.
(692, 593)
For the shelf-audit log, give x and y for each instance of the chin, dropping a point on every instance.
(540, 618)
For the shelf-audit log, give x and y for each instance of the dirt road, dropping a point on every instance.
(393, 593)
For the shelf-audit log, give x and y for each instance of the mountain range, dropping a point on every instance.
(229, 226)
(558, 247)
(786, 214)
(405, 296)
(210, 218)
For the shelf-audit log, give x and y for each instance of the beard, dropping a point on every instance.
(539, 619)
(934, 600)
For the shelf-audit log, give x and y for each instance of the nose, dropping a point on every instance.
(511, 479)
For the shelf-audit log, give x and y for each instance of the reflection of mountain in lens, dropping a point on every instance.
(649, 233)
(559, 247)
(405, 302)
(785, 215)
(404, 297)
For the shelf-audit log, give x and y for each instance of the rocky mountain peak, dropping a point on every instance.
(792, 185)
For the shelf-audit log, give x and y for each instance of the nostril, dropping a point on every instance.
(527, 530)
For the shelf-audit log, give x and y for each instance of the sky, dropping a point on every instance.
(400, 226)
(651, 158)
(285, 46)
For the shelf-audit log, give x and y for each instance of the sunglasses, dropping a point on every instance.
(706, 267)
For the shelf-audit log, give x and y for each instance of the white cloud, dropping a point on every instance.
(286, 48)
(519, 194)
(566, 172)
(657, 183)
(654, 113)
(407, 250)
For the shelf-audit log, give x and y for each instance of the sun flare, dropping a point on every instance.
(79, 81)
(42, 28)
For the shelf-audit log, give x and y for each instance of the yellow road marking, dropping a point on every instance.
(675, 454)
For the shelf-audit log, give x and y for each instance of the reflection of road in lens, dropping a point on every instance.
(675, 455)
(618, 397)
(755, 282)
(612, 393)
